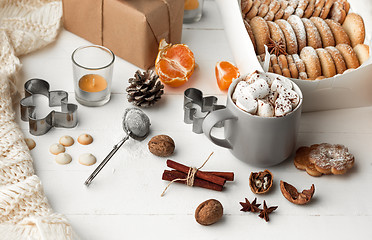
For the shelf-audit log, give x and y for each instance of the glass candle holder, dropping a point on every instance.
(193, 11)
(92, 69)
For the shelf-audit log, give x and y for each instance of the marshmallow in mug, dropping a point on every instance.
(265, 96)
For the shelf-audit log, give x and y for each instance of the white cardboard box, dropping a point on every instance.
(353, 89)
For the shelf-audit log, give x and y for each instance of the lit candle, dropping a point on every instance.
(92, 83)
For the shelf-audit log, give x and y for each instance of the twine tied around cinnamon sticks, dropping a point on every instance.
(192, 176)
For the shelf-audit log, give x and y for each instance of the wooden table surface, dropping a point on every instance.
(124, 200)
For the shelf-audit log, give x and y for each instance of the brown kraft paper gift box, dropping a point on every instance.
(132, 29)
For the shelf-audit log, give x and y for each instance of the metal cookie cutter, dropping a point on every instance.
(196, 116)
(67, 118)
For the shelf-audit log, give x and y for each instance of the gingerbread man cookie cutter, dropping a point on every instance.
(66, 118)
(195, 114)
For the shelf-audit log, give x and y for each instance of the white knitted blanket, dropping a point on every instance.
(25, 25)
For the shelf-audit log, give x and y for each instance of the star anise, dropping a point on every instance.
(266, 211)
(250, 207)
(276, 47)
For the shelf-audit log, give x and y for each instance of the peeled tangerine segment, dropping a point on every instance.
(226, 72)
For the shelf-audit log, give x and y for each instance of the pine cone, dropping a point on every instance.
(145, 88)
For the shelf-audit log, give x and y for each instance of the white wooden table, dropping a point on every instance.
(124, 200)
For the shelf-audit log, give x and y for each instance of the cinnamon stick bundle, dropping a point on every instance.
(174, 174)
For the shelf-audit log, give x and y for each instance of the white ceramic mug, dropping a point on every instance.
(260, 141)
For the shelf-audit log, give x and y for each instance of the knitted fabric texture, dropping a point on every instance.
(25, 26)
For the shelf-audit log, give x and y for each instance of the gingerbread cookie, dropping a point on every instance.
(319, 4)
(309, 9)
(292, 5)
(290, 36)
(292, 66)
(327, 63)
(261, 33)
(302, 162)
(264, 8)
(312, 63)
(327, 7)
(250, 33)
(254, 10)
(362, 52)
(313, 38)
(280, 13)
(349, 55)
(338, 32)
(331, 158)
(324, 31)
(273, 9)
(299, 29)
(337, 59)
(355, 29)
(276, 33)
(302, 5)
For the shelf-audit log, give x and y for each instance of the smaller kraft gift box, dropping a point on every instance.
(132, 29)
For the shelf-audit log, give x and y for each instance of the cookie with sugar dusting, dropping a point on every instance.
(313, 37)
(355, 29)
(349, 55)
(302, 162)
(289, 34)
(337, 59)
(312, 62)
(299, 29)
(338, 32)
(327, 63)
(324, 31)
(261, 33)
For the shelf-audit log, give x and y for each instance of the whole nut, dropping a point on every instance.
(209, 212)
(161, 145)
(292, 195)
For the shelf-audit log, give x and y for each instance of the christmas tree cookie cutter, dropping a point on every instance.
(195, 114)
(67, 118)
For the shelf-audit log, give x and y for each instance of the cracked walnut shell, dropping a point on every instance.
(292, 195)
(161, 145)
(260, 182)
(209, 212)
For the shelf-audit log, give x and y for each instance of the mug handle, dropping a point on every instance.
(211, 120)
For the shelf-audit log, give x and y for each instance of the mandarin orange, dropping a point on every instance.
(191, 4)
(174, 63)
(226, 72)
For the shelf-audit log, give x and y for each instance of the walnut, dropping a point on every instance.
(209, 212)
(292, 195)
(261, 182)
(161, 145)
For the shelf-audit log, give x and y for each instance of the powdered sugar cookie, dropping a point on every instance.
(299, 29)
(313, 38)
(337, 12)
(319, 4)
(273, 9)
(338, 32)
(299, 63)
(349, 55)
(85, 139)
(283, 64)
(276, 33)
(302, 5)
(324, 31)
(292, 67)
(63, 158)
(346, 5)
(280, 13)
(31, 144)
(292, 5)
(275, 66)
(302, 162)
(309, 9)
(56, 148)
(337, 59)
(246, 6)
(250, 33)
(362, 52)
(331, 158)
(261, 33)
(66, 141)
(355, 29)
(327, 7)
(312, 63)
(290, 36)
(87, 159)
(254, 10)
(264, 8)
(327, 63)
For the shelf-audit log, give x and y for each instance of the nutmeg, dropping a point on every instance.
(209, 212)
(161, 145)
(292, 195)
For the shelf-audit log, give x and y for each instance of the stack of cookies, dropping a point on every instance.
(309, 39)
